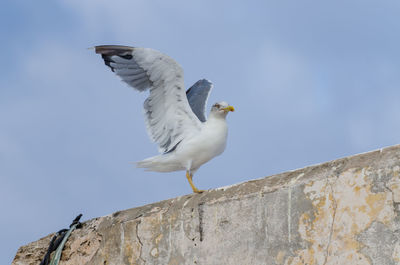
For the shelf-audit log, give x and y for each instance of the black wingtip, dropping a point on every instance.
(107, 61)
(112, 49)
(107, 51)
(126, 56)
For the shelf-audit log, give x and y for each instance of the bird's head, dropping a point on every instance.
(221, 109)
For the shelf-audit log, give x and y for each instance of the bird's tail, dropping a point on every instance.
(159, 163)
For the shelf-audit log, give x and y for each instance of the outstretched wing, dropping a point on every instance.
(169, 118)
(197, 96)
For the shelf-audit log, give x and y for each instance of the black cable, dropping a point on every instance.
(57, 239)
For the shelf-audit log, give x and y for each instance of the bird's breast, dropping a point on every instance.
(207, 144)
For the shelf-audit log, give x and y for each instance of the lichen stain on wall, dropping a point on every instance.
(344, 206)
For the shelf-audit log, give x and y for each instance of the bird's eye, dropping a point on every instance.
(217, 105)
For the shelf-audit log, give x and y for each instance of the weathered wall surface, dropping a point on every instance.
(342, 212)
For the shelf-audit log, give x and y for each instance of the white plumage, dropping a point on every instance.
(175, 119)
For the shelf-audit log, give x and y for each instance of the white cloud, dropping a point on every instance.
(52, 62)
(285, 81)
(118, 18)
(9, 147)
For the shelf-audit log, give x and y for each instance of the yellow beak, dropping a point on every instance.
(229, 108)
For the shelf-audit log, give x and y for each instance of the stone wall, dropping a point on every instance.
(341, 212)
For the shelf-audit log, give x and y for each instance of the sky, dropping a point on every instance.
(311, 81)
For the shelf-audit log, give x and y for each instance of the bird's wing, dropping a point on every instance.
(197, 96)
(169, 118)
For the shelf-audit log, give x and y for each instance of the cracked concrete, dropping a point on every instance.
(140, 242)
(340, 212)
(379, 243)
(332, 223)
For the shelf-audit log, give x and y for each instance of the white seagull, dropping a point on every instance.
(175, 119)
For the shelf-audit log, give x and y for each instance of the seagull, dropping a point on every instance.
(175, 119)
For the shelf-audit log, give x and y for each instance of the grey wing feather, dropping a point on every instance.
(120, 60)
(169, 118)
(197, 96)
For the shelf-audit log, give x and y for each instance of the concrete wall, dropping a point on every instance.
(341, 212)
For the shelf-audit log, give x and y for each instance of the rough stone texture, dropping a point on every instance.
(342, 212)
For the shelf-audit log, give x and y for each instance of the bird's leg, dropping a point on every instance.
(189, 178)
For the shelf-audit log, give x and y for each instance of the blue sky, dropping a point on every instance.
(311, 81)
